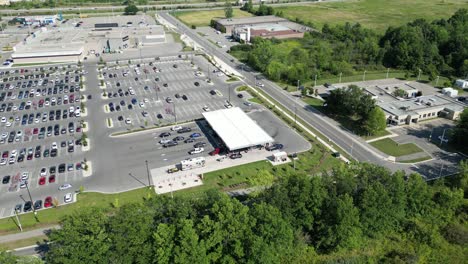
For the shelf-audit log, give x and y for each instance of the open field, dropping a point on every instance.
(390, 147)
(375, 14)
(203, 18)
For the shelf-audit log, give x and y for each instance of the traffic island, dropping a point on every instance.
(87, 169)
(85, 145)
(109, 123)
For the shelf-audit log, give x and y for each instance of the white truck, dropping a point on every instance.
(193, 163)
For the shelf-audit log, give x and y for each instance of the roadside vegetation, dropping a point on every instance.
(459, 137)
(361, 213)
(351, 49)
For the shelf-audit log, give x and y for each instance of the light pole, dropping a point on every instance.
(419, 75)
(175, 115)
(315, 80)
(388, 69)
(437, 81)
(19, 222)
(298, 82)
(30, 198)
(229, 93)
(148, 172)
(340, 77)
(364, 76)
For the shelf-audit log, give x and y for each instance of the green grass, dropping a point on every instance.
(255, 100)
(52, 216)
(379, 134)
(309, 162)
(23, 242)
(392, 148)
(203, 18)
(375, 14)
(232, 79)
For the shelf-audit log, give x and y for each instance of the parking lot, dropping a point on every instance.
(162, 92)
(40, 127)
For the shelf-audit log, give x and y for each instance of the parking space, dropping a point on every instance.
(164, 91)
(40, 131)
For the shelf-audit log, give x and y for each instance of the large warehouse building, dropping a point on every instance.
(262, 26)
(236, 129)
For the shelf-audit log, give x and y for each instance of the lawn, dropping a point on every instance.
(375, 14)
(203, 18)
(51, 216)
(23, 242)
(392, 148)
(377, 135)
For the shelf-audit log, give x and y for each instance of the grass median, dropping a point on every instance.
(202, 18)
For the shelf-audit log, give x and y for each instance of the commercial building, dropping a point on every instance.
(419, 103)
(228, 24)
(279, 31)
(236, 129)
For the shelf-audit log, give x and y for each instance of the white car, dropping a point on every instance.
(128, 121)
(175, 128)
(196, 151)
(131, 91)
(23, 184)
(43, 172)
(65, 186)
(164, 141)
(4, 119)
(3, 161)
(206, 108)
(259, 84)
(4, 135)
(8, 124)
(25, 176)
(145, 100)
(68, 198)
(142, 105)
(54, 145)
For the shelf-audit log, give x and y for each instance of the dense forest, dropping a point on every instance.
(436, 48)
(354, 214)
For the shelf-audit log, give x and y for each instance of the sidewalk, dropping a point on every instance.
(26, 234)
(166, 182)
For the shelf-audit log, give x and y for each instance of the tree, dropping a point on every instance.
(228, 11)
(399, 93)
(79, 233)
(248, 6)
(460, 133)
(376, 121)
(131, 9)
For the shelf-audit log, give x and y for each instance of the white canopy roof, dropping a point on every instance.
(236, 129)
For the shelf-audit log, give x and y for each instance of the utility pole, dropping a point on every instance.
(419, 75)
(364, 76)
(388, 69)
(315, 80)
(298, 81)
(148, 172)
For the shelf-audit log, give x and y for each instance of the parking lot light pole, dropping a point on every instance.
(175, 114)
(30, 198)
(148, 172)
(19, 222)
(229, 92)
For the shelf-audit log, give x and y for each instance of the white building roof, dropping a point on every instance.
(236, 129)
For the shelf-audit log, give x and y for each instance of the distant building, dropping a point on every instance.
(449, 91)
(4, 2)
(246, 33)
(462, 83)
(227, 25)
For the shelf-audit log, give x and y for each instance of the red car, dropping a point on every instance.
(215, 151)
(52, 178)
(5, 154)
(30, 156)
(35, 131)
(78, 129)
(42, 180)
(48, 202)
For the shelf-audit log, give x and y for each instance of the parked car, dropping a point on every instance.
(196, 151)
(274, 147)
(235, 156)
